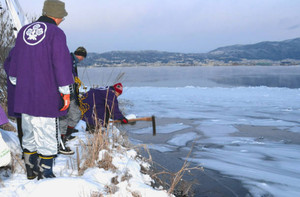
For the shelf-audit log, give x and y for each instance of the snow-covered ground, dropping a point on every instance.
(93, 182)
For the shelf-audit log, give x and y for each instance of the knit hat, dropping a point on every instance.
(81, 52)
(54, 8)
(118, 88)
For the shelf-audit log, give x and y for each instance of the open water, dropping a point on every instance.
(213, 76)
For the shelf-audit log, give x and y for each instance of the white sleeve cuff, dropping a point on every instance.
(64, 89)
(13, 80)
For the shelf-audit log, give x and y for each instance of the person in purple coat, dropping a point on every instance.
(3, 117)
(40, 69)
(106, 105)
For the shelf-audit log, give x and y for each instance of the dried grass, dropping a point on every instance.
(8, 127)
(106, 162)
(12, 167)
(136, 194)
(90, 150)
(111, 189)
(15, 161)
(97, 194)
(177, 185)
(1, 183)
(96, 142)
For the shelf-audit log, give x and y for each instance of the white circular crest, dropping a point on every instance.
(35, 33)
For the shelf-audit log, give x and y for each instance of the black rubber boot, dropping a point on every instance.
(68, 136)
(31, 164)
(46, 167)
(69, 131)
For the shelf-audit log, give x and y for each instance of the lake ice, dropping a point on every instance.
(264, 165)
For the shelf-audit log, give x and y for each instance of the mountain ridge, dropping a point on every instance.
(266, 52)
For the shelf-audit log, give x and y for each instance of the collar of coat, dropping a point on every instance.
(75, 59)
(46, 20)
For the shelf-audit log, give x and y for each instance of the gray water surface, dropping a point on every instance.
(175, 76)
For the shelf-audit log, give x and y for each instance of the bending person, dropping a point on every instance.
(105, 102)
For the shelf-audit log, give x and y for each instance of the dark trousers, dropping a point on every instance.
(20, 131)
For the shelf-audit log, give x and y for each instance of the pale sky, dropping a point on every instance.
(189, 26)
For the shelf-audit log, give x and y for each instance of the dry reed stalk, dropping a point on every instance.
(8, 127)
(1, 183)
(96, 142)
(177, 177)
(106, 162)
(149, 154)
(78, 160)
(146, 149)
(111, 189)
(136, 194)
(96, 194)
(16, 159)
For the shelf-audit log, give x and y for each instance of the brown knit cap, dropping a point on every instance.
(54, 8)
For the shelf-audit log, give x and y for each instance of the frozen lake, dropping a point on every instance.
(242, 121)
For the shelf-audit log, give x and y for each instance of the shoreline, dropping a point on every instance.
(211, 182)
(208, 183)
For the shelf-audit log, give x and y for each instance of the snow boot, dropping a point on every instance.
(65, 150)
(31, 164)
(46, 167)
(68, 136)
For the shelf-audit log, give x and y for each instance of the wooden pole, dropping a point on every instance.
(152, 118)
(153, 125)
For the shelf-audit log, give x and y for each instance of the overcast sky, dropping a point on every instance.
(194, 26)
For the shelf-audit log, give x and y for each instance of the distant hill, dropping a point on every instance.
(288, 49)
(271, 51)
(140, 57)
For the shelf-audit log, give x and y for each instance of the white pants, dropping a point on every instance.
(40, 134)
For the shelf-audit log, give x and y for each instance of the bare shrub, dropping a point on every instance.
(1, 183)
(126, 176)
(90, 150)
(15, 162)
(106, 162)
(136, 194)
(96, 194)
(8, 127)
(172, 181)
(114, 180)
(111, 189)
(7, 40)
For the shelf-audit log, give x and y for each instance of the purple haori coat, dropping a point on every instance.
(101, 95)
(41, 63)
(3, 117)
(10, 89)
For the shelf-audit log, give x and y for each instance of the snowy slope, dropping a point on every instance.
(94, 181)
